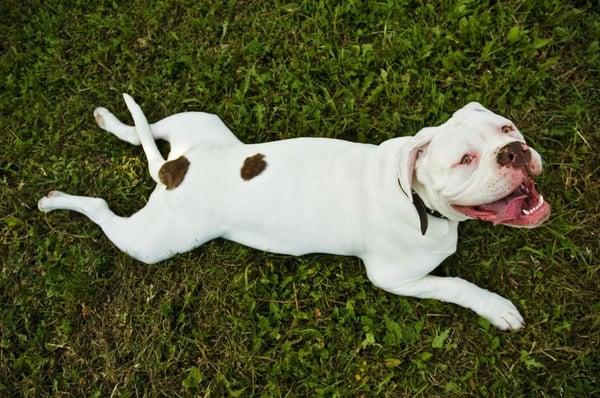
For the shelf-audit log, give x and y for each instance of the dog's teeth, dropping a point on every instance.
(540, 203)
(534, 208)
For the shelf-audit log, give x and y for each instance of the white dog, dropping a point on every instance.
(396, 205)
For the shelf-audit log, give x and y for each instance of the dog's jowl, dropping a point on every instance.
(308, 195)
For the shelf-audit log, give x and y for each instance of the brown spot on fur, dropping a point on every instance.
(172, 172)
(253, 166)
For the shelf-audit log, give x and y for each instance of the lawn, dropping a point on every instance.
(80, 318)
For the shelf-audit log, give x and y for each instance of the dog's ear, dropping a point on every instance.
(407, 157)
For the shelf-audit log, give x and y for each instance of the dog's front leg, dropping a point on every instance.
(501, 312)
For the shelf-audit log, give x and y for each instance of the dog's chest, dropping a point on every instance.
(403, 240)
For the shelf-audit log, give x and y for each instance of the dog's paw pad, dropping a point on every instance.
(54, 194)
(99, 120)
(99, 114)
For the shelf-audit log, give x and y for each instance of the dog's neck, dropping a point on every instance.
(386, 177)
(422, 210)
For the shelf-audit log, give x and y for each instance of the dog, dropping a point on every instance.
(396, 205)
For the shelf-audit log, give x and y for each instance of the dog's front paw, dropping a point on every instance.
(501, 312)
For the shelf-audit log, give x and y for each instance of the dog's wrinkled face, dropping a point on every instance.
(477, 165)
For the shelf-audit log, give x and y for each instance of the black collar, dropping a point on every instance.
(423, 210)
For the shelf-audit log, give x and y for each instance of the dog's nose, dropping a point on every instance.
(514, 154)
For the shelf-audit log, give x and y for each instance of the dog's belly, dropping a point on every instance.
(314, 195)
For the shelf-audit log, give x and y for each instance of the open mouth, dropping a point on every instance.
(524, 207)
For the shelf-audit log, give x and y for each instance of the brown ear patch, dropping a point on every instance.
(253, 166)
(172, 172)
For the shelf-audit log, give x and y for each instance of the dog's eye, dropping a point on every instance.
(466, 159)
(507, 129)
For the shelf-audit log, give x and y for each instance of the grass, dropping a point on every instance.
(80, 318)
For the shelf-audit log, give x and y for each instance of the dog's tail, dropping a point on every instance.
(155, 159)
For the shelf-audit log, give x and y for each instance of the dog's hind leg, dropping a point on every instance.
(183, 130)
(109, 122)
(150, 235)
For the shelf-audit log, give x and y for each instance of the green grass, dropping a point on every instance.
(80, 318)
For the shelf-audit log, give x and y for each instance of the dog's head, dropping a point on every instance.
(476, 165)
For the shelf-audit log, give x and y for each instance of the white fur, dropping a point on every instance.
(315, 195)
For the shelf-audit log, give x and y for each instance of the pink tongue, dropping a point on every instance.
(507, 208)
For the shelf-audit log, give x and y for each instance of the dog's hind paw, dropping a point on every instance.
(45, 203)
(106, 120)
(99, 114)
